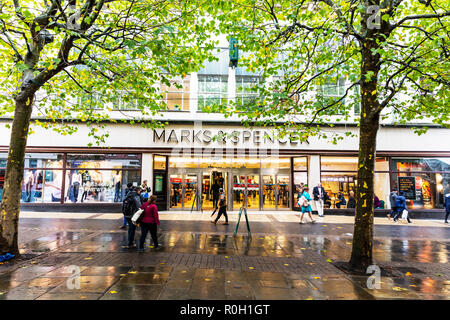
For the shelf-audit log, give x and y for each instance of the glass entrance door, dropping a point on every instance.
(190, 188)
(269, 192)
(282, 192)
(246, 191)
(176, 191)
(212, 182)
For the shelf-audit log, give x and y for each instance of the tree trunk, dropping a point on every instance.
(10, 206)
(361, 256)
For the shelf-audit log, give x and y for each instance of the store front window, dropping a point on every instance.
(300, 165)
(339, 177)
(88, 177)
(425, 181)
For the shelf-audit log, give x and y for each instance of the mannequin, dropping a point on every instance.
(76, 183)
(29, 180)
(116, 181)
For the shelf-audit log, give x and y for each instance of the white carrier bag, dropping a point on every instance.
(405, 214)
(136, 216)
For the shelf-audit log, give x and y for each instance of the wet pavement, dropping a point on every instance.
(86, 258)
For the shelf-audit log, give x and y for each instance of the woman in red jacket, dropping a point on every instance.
(149, 222)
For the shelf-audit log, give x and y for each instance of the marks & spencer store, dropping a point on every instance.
(184, 163)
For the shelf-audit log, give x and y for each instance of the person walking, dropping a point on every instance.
(149, 222)
(305, 205)
(393, 201)
(127, 190)
(447, 207)
(222, 208)
(130, 205)
(319, 195)
(215, 190)
(400, 206)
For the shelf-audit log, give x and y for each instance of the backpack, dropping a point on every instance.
(222, 202)
(127, 206)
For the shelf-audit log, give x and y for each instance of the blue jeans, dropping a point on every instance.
(124, 221)
(131, 231)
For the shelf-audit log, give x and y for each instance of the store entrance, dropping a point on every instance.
(246, 191)
(212, 182)
(182, 191)
(275, 191)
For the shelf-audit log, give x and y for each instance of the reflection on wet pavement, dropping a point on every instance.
(89, 265)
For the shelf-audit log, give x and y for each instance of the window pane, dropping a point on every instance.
(3, 160)
(100, 161)
(339, 163)
(381, 164)
(41, 186)
(299, 178)
(159, 163)
(430, 189)
(382, 189)
(421, 164)
(98, 185)
(43, 160)
(336, 183)
(275, 162)
(182, 162)
(300, 163)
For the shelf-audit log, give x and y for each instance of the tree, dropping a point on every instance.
(70, 61)
(393, 54)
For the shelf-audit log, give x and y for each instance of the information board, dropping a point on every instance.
(408, 186)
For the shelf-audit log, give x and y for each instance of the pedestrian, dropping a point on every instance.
(149, 222)
(393, 200)
(215, 191)
(447, 206)
(319, 195)
(222, 208)
(127, 190)
(305, 205)
(145, 191)
(400, 206)
(130, 205)
(351, 200)
(342, 201)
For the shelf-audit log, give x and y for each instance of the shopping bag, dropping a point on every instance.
(405, 214)
(136, 216)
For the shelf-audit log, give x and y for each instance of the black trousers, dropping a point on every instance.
(145, 228)
(222, 210)
(215, 199)
(446, 215)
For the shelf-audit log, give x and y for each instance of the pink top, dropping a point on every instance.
(150, 213)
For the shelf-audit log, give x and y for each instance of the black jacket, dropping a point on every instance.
(316, 193)
(136, 201)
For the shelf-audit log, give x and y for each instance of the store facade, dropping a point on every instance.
(255, 167)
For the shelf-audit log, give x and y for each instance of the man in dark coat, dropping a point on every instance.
(319, 196)
(447, 206)
(131, 204)
(393, 200)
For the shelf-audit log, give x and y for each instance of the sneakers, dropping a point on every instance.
(213, 222)
(131, 246)
(302, 222)
(123, 227)
(225, 223)
(313, 221)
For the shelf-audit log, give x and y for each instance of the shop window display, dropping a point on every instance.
(98, 185)
(338, 184)
(104, 161)
(430, 180)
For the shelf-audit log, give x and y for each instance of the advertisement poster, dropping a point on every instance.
(408, 186)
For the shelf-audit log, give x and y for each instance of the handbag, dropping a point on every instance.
(136, 216)
(405, 214)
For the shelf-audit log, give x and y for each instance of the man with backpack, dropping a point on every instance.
(130, 205)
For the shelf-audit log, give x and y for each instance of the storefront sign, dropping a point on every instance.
(408, 186)
(205, 136)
